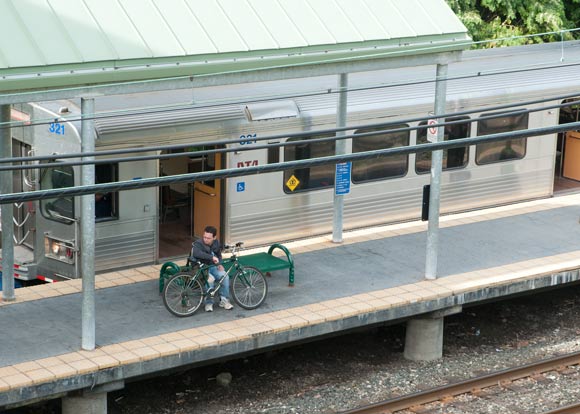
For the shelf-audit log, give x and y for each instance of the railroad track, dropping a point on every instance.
(475, 386)
(569, 409)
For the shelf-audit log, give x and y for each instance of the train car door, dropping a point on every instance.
(571, 156)
(175, 213)
(207, 198)
(567, 162)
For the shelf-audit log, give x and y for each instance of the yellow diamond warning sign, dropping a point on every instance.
(292, 183)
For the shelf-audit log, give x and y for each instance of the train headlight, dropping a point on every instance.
(61, 250)
(55, 248)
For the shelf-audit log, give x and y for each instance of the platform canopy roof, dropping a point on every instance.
(57, 44)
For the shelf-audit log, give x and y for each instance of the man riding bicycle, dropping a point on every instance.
(208, 251)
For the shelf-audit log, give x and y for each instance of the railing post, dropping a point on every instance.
(340, 148)
(7, 210)
(88, 226)
(436, 167)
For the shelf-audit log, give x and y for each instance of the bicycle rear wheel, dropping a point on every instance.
(249, 287)
(183, 294)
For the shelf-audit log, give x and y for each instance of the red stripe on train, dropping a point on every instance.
(45, 279)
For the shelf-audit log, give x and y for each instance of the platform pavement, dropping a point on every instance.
(375, 275)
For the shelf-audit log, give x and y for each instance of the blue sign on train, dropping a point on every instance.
(342, 185)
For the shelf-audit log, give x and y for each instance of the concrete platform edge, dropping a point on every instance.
(260, 341)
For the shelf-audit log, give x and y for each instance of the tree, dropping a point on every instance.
(512, 19)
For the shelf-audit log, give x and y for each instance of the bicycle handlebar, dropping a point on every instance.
(235, 246)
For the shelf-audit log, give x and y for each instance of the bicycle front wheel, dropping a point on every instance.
(182, 294)
(249, 287)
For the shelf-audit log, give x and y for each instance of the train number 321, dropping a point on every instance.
(248, 139)
(56, 128)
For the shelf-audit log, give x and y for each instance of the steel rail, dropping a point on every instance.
(471, 385)
(569, 409)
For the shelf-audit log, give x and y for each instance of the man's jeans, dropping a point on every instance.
(224, 288)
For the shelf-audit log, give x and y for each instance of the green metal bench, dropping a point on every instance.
(267, 262)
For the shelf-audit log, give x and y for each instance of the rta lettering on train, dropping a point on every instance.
(252, 163)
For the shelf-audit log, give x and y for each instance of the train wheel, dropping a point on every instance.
(182, 294)
(249, 287)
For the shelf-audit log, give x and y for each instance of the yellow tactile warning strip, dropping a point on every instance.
(141, 274)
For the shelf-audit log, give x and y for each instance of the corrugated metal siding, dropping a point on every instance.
(456, 89)
(311, 220)
(53, 32)
(160, 119)
(124, 251)
(386, 100)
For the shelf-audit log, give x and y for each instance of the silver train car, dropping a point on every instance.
(148, 225)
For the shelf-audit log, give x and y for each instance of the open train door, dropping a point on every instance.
(571, 156)
(207, 198)
(567, 163)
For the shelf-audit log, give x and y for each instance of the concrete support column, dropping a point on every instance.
(94, 403)
(90, 401)
(424, 336)
(424, 339)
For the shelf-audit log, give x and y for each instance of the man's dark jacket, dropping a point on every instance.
(203, 252)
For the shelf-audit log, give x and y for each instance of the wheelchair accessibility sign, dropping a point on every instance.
(241, 186)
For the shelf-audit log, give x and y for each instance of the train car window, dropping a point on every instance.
(313, 178)
(453, 158)
(509, 149)
(61, 208)
(106, 204)
(380, 168)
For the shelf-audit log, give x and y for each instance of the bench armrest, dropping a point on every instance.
(167, 270)
(288, 256)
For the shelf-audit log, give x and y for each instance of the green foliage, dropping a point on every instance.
(513, 19)
(573, 11)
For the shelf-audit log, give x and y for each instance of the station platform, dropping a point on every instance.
(375, 276)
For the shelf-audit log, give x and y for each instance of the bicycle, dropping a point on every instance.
(185, 291)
